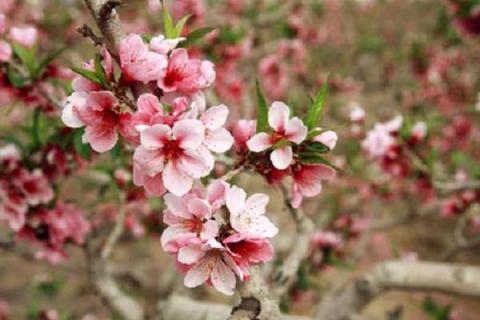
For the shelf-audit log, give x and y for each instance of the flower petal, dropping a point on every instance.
(296, 130)
(223, 278)
(256, 204)
(190, 254)
(199, 208)
(215, 117)
(177, 206)
(151, 162)
(189, 133)
(197, 275)
(219, 140)
(281, 158)
(176, 180)
(259, 142)
(278, 116)
(155, 137)
(236, 200)
(328, 138)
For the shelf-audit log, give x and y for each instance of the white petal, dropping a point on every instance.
(223, 278)
(236, 200)
(296, 130)
(219, 140)
(215, 117)
(176, 180)
(190, 254)
(259, 142)
(256, 204)
(281, 158)
(278, 116)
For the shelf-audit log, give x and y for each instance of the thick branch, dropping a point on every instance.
(106, 17)
(255, 291)
(184, 308)
(399, 275)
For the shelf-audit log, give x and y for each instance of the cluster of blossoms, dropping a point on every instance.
(218, 234)
(283, 149)
(384, 143)
(27, 206)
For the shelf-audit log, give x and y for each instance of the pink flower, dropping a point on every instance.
(175, 152)
(151, 112)
(98, 112)
(138, 62)
(66, 222)
(378, 141)
(210, 263)
(26, 36)
(35, 186)
(13, 206)
(185, 75)
(247, 216)
(246, 251)
(357, 114)
(217, 138)
(187, 217)
(307, 181)
(5, 51)
(285, 130)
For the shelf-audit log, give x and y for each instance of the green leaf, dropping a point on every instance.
(180, 25)
(35, 132)
(313, 158)
(262, 110)
(317, 147)
(196, 35)
(82, 149)
(90, 75)
(100, 72)
(15, 78)
(168, 27)
(27, 56)
(315, 110)
(46, 61)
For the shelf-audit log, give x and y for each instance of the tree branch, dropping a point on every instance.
(349, 299)
(183, 308)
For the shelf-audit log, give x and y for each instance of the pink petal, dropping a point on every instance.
(259, 142)
(68, 115)
(149, 103)
(236, 200)
(223, 278)
(278, 116)
(210, 230)
(177, 206)
(176, 180)
(197, 275)
(328, 138)
(199, 208)
(195, 164)
(281, 158)
(219, 140)
(217, 193)
(190, 254)
(256, 204)
(296, 130)
(189, 133)
(151, 162)
(102, 139)
(215, 117)
(155, 137)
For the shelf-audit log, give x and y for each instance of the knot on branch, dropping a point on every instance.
(249, 308)
(87, 32)
(108, 7)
